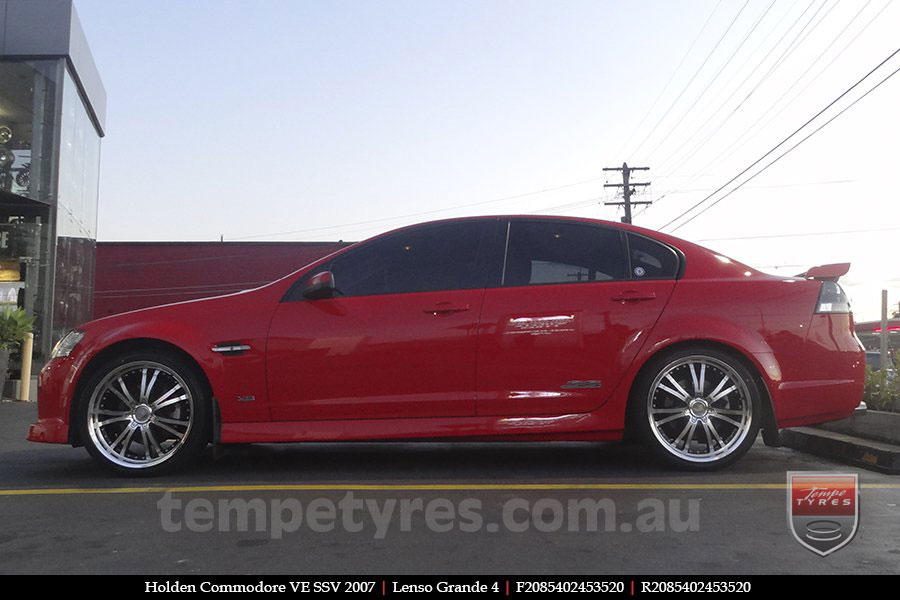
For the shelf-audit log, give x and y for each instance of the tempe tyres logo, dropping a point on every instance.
(823, 509)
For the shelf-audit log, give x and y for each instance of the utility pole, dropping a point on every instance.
(627, 188)
(885, 361)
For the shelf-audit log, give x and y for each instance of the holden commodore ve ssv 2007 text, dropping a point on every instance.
(515, 328)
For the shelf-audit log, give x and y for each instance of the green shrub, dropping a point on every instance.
(881, 391)
(14, 324)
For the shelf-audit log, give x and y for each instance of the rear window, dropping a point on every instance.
(651, 259)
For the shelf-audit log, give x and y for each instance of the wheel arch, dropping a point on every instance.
(769, 426)
(97, 361)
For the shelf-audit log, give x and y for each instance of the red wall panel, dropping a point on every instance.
(132, 275)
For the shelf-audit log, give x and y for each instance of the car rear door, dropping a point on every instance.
(576, 303)
(400, 339)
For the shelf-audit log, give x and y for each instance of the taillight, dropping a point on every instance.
(832, 299)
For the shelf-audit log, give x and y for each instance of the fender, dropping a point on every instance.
(237, 379)
(683, 328)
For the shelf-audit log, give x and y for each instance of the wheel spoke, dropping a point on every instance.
(146, 393)
(143, 385)
(702, 379)
(146, 445)
(170, 402)
(684, 431)
(126, 443)
(694, 379)
(172, 421)
(726, 419)
(112, 413)
(128, 399)
(108, 422)
(153, 441)
(722, 394)
(712, 428)
(681, 391)
(165, 427)
(681, 415)
(155, 403)
(721, 384)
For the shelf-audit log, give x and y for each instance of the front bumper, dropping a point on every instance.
(50, 431)
(56, 385)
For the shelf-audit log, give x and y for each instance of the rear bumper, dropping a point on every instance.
(812, 402)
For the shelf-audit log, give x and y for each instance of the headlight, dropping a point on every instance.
(65, 346)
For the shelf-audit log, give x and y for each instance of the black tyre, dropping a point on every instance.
(144, 413)
(697, 408)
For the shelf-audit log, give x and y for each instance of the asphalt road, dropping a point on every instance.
(55, 521)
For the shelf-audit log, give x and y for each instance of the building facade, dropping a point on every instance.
(52, 113)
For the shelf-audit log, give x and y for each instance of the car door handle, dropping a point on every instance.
(634, 296)
(446, 308)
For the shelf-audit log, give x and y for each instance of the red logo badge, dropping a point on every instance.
(823, 509)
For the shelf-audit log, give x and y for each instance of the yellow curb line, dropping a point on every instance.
(414, 487)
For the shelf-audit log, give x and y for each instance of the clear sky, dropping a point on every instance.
(326, 120)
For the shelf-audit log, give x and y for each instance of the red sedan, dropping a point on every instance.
(514, 328)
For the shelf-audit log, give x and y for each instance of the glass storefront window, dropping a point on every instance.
(76, 221)
(28, 140)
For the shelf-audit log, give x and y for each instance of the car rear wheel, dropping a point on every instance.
(144, 413)
(698, 408)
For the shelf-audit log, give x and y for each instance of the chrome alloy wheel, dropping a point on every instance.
(140, 414)
(699, 409)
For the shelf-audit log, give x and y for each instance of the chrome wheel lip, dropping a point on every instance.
(139, 426)
(702, 420)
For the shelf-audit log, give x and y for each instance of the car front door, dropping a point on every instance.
(399, 338)
(575, 304)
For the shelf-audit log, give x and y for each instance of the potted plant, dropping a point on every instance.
(14, 325)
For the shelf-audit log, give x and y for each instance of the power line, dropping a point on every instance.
(803, 234)
(671, 77)
(792, 148)
(740, 85)
(423, 213)
(788, 50)
(753, 130)
(693, 77)
(782, 142)
(714, 78)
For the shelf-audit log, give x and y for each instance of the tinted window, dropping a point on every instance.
(650, 259)
(559, 252)
(440, 257)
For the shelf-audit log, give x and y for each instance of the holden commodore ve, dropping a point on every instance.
(514, 328)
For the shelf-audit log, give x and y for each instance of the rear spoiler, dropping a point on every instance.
(826, 272)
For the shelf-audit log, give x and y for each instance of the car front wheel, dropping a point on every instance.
(144, 413)
(698, 408)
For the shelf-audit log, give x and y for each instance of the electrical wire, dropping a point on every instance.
(715, 77)
(669, 82)
(423, 213)
(693, 77)
(845, 109)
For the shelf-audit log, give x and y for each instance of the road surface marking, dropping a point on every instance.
(415, 487)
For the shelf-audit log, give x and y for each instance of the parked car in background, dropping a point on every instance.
(873, 361)
(487, 328)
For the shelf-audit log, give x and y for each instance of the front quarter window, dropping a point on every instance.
(421, 259)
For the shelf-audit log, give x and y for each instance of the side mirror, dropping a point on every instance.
(320, 285)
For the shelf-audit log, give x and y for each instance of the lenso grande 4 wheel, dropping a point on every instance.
(144, 413)
(698, 408)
